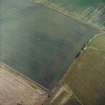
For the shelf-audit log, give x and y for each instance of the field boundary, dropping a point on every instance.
(34, 84)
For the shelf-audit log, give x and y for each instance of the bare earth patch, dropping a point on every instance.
(15, 90)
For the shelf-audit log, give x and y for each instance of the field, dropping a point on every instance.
(91, 11)
(16, 90)
(77, 4)
(39, 42)
(86, 76)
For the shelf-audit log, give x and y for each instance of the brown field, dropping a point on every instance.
(15, 90)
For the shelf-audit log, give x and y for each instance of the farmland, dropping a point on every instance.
(90, 11)
(77, 4)
(39, 42)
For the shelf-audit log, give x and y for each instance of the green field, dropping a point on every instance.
(78, 3)
(40, 42)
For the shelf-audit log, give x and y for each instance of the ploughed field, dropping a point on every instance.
(16, 90)
(39, 42)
